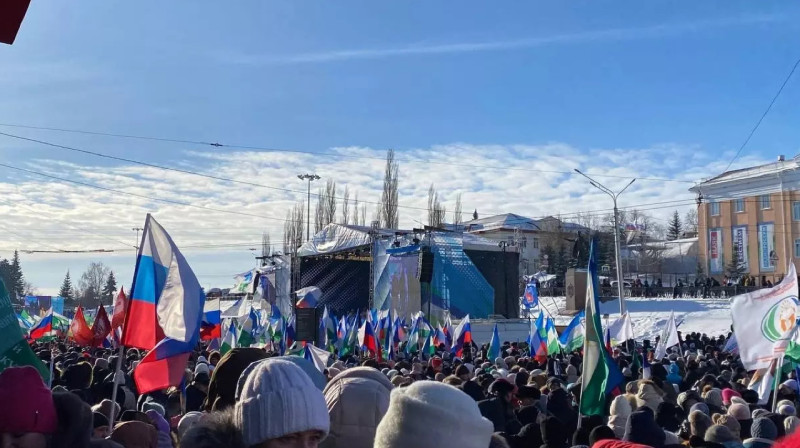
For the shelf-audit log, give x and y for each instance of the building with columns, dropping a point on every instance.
(750, 219)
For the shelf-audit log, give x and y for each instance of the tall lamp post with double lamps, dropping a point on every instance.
(614, 197)
(310, 178)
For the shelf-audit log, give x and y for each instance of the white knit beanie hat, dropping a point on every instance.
(412, 410)
(277, 399)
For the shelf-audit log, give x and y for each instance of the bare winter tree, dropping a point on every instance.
(319, 213)
(436, 210)
(294, 228)
(363, 221)
(355, 210)
(330, 202)
(91, 284)
(266, 246)
(690, 220)
(346, 206)
(457, 221)
(388, 214)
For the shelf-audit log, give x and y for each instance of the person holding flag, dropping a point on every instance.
(164, 311)
(600, 376)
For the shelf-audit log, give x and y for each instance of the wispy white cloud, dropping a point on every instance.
(44, 213)
(612, 34)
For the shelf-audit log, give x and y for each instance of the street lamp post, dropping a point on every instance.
(136, 246)
(310, 178)
(614, 197)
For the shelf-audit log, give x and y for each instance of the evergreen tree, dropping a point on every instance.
(66, 288)
(17, 280)
(675, 228)
(110, 288)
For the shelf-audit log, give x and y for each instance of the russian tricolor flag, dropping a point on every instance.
(211, 326)
(462, 337)
(43, 327)
(164, 310)
(368, 341)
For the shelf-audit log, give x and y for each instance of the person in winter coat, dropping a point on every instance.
(674, 375)
(499, 409)
(214, 430)
(32, 420)
(222, 387)
(572, 374)
(764, 433)
(620, 411)
(559, 404)
(721, 435)
(135, 435)
(431, 414)
(278, 405)
(554, 433)
(469, 386)
(713, 398)
(642, 428)
(357, 400)
(648, 395)
(530, 406)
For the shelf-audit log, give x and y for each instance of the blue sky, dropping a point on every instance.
(661, 89)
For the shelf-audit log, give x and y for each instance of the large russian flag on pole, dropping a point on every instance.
(164, 310)
(43, 327)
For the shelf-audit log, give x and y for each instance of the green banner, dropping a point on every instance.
(14, 349)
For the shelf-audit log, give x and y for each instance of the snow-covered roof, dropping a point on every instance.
(338, 237)
(748, 174)
(512, 221)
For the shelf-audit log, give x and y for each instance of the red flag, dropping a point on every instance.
(79, 330)
(101, 327)
(120, 304)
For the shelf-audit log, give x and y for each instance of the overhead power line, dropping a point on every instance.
(766, 111)
(319, 153)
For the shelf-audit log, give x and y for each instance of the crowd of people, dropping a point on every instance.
(250, 397)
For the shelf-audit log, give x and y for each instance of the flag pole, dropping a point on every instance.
(776, 380)
(117, 369)
(121, 354)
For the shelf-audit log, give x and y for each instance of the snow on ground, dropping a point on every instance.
(649, 315)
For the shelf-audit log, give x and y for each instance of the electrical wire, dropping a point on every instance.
(319, 153)
(758, 123)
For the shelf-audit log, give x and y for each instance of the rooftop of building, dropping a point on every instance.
(512, 221)
(754, 172)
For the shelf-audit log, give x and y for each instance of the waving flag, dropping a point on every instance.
(317, 356)
(462, 337)
(494, 345)
(531, 296)
(621, 329)
(669, 337)
(229, 340)
(164, 311)
(330, 328)
(101, 327)
(118, 315)
(572, 337)
(14, 349)
(537, 340)
(368, 341)
(211, 325)
(44, 327)
(762, 317)
(248, 329)
(553, 346)
(79, 330)
(243, 283)
(308, 297)
(601, 376)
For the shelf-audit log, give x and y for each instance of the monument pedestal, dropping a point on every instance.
(575, 290)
